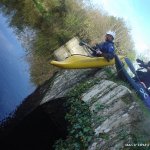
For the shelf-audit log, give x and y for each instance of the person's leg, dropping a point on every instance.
(144, 78)
(139, 74)
(94, 53)
(108, 56)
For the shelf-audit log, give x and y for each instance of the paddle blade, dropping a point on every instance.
(130, 65)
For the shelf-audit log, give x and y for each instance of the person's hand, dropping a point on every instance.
(98, 52)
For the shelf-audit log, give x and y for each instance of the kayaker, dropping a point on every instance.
(106, 49)
(144, 76)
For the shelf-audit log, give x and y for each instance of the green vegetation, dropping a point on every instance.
(139, 142)
(79, 118)
(104, 136)
(99, 107)
(123, 134)
(110, 73)
(142, 106)
(44, 25)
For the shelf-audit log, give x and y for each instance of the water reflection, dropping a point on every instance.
(15, 82)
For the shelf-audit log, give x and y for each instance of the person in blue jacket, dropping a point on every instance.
(105, 49)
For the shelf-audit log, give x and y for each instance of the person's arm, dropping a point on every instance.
(111, 48)
(110, 52)
(98, 49)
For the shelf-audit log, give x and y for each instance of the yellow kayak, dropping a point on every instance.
(81, 61)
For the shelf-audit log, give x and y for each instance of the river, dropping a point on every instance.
(15, 84)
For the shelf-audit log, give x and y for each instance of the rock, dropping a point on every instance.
(64, 81)
(113, 109)
(101, 74)
(112, 106)
(93, 146)
(98, 90)
(115, 113)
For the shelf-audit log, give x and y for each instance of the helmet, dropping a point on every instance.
(112, 33)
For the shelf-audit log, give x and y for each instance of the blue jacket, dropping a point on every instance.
(106, 47)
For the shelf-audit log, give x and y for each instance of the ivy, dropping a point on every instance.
(80, 131)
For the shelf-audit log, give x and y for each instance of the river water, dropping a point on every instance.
(15, 84)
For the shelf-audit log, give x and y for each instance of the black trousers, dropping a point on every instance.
(144, 77)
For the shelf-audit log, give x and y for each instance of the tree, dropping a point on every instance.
(45, 25)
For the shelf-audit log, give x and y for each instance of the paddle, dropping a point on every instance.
(130, 65)
(88, 46)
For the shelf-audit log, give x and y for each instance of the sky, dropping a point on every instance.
(136, 13)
